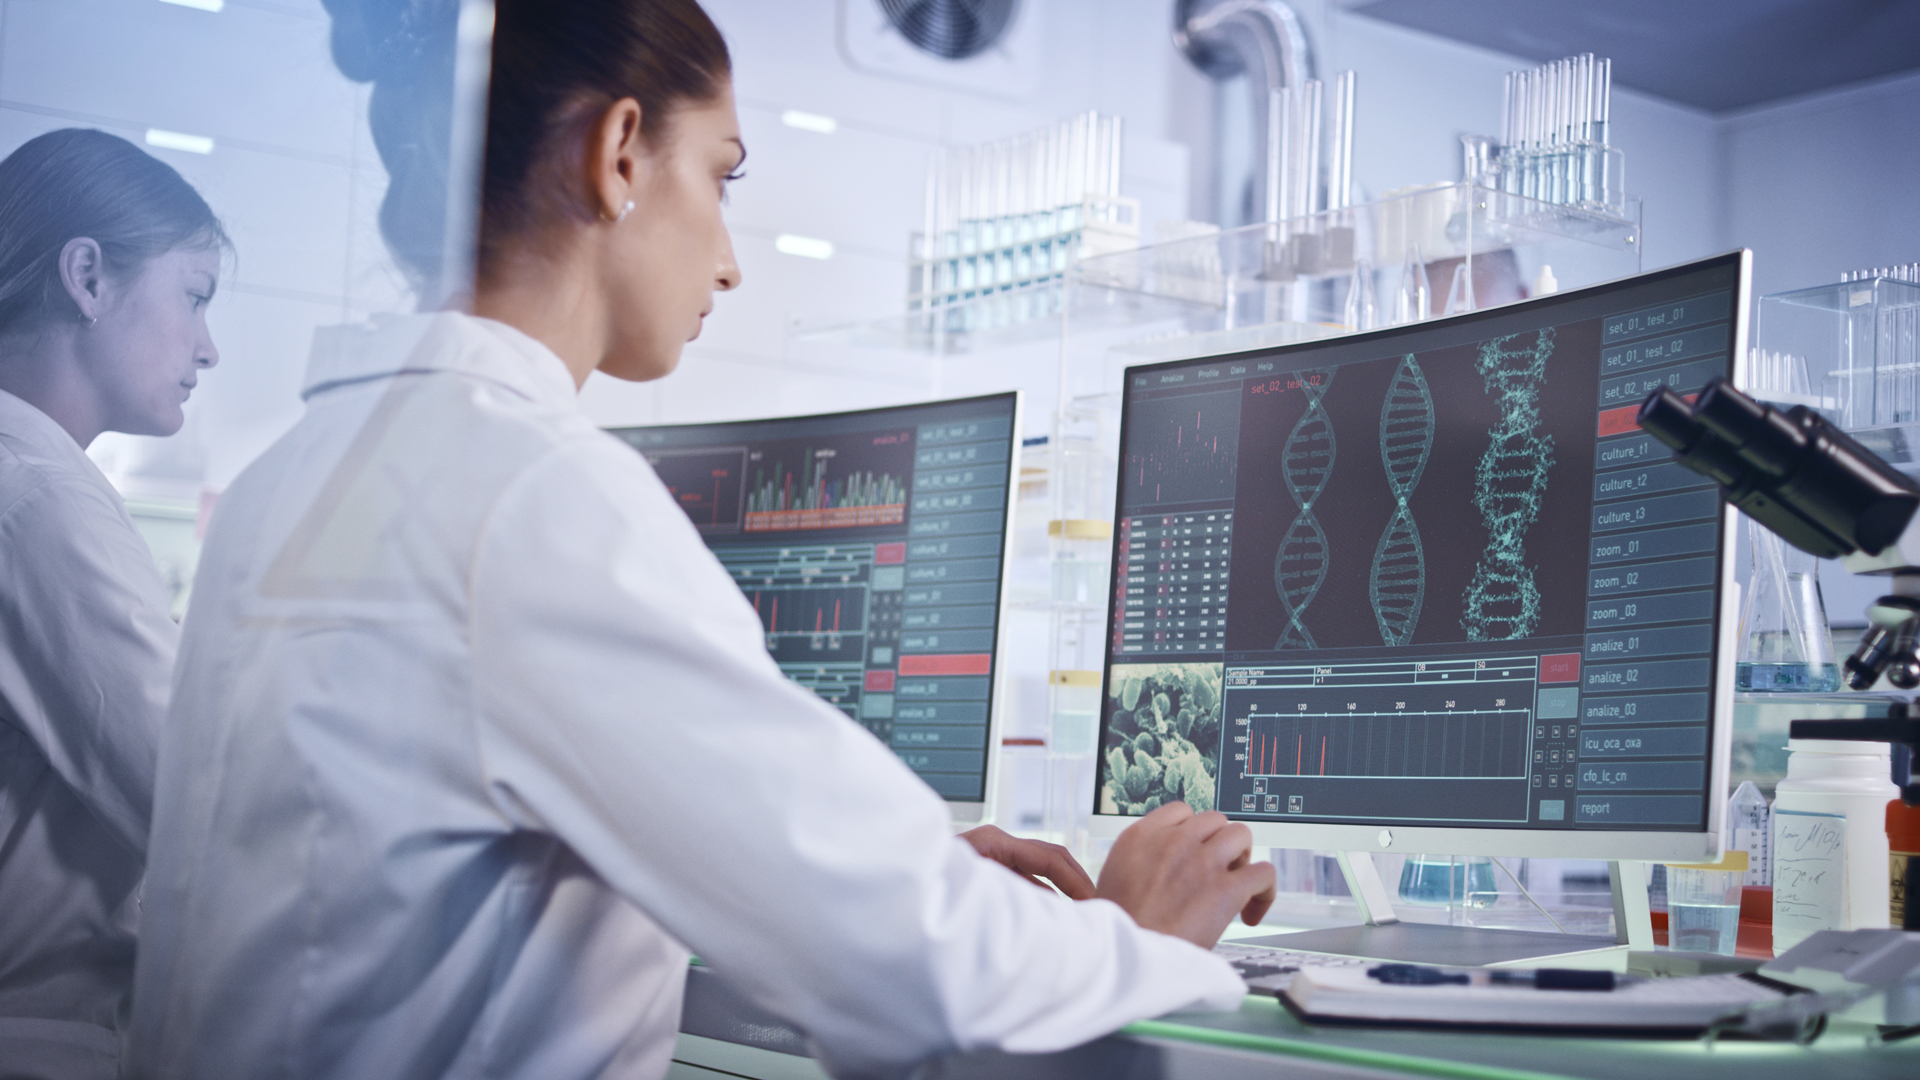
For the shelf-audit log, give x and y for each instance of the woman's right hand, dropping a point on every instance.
(1187, 874)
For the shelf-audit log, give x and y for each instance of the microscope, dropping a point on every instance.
(1806, 480)
(1819, 490)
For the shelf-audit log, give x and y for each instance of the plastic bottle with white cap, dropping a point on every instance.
(1830, 839)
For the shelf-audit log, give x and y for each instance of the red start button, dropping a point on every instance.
(1560, 667)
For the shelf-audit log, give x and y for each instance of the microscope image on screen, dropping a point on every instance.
(1163, 737)
(1352, 531)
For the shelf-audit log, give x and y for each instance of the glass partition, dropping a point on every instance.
(288, 116)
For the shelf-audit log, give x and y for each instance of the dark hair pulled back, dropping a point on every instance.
(549, 56)
(77, 183)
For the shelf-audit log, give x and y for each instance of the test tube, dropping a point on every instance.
(1310, 157)
(1279, 133)
(1340, 193)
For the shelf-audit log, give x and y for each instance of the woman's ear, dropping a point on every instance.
(615, 158)
(83, 274)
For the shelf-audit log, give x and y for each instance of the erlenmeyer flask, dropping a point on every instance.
(1443, 880)
(1784, 641)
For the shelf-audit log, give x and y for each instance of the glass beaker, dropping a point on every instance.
(1784, 641)
(1703, 905)
(1441, 880)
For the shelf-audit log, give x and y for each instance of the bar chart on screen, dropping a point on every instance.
(1431, 720)
(811, 492)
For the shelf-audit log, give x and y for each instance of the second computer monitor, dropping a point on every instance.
(873, 546)
(1430, 589)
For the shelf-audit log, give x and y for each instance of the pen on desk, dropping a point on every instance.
(1558, 979)
(1538, 978)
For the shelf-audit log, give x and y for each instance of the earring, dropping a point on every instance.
(625, 210)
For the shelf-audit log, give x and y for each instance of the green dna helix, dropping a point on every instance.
(1306, 460)
(1501, 601)
(1399, 579)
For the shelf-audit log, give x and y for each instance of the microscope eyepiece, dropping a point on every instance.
(1793, 472)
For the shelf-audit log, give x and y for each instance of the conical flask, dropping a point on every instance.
(1447, 880)
(1785, 644)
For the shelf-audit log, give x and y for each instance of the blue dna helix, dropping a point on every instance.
(1501, 600)
(1398, 582)
(1306, 460)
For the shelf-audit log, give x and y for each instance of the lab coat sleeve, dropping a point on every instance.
(627, 705)
(88, 659)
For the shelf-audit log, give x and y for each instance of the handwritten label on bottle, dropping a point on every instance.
(1809, 873)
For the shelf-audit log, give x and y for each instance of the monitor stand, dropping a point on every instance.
(1382, 936)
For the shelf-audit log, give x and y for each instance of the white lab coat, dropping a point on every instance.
(86, 658)
(471, 733)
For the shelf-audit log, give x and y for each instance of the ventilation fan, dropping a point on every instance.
(985, 46)
(950, 29)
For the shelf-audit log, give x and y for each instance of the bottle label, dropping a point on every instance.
(1897, 888)
(1809, 875)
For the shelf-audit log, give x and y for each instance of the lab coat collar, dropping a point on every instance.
(24, 421)
(450, 341)
(43, 436)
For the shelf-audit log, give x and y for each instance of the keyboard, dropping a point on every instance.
(1270, 970)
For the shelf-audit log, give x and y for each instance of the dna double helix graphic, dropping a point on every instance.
(1399, 579)
(1300, 566)
(1502, 601)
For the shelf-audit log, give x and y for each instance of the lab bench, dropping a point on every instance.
(723, 1034)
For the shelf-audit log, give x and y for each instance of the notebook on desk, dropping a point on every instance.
(1830, 972)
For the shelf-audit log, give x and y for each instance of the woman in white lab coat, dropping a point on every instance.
(473, 739)
(107, 262)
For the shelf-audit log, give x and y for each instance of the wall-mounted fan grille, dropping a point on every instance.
(953, 29)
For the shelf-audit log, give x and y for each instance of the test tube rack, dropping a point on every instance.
(1850, 350)
(1554, 127)
(1005, 220)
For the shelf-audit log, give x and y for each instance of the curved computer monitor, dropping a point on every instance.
(1429, 588)
(874, 547)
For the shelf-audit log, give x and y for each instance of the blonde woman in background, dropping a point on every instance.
(108, 260)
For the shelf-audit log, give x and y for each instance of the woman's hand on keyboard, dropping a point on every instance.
(1034, 860)
(1187, 874)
